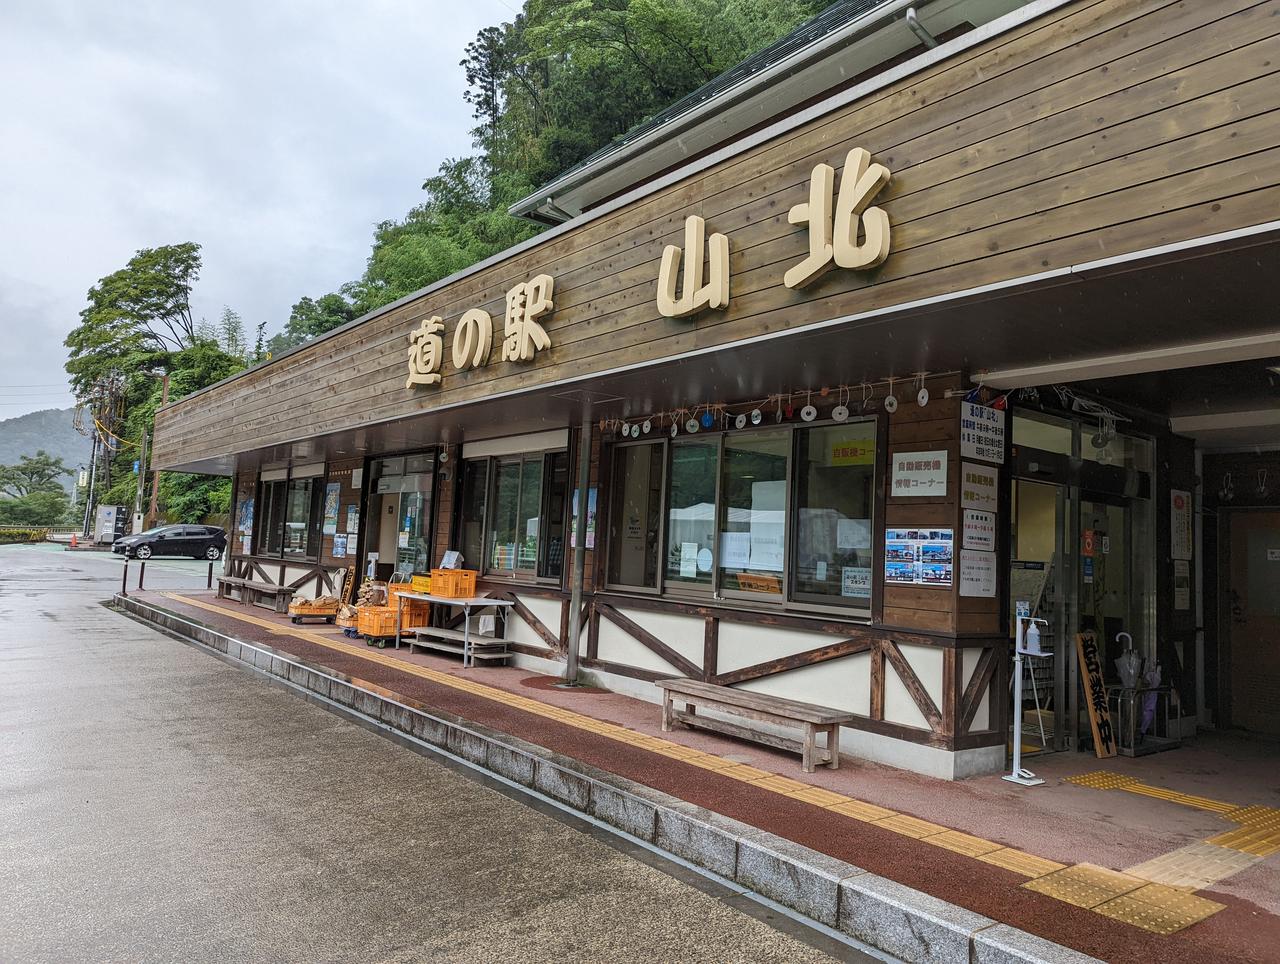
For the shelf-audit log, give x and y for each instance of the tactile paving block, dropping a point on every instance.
(1261, 841)
(962, 843)
(909, 826)
(1159, 909)
(1102, 780)
(1028, 865)
(1256, 815)
(1194, 867)
(859, 810)
(1085, 885)
(818, 797)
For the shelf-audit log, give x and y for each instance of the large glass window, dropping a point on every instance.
(691, 512)
(775, 514)
(514, 520)
(834, 480)
(634, 521)
(753, 509)
(270, 521)
(288, 524)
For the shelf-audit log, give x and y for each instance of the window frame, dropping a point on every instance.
(520, 575)
(789, 598)
(315, 512)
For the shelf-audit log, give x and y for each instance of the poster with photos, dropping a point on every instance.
(919, 557)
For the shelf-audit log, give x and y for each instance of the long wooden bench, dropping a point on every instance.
(758, 707)
(252, 590)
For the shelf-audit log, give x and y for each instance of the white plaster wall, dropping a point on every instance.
(899, 707)
(615, 646)
(742, 644)
(844, 684)
(682, 633)
(518, 631)
(982, 718)
(548, 613)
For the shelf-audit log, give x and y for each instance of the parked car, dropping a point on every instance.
(198, 542)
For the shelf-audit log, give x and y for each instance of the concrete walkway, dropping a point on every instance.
(966, 849)
(158, 804)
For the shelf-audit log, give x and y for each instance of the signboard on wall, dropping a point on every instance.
(979, 530)
(919, 557)
(1181, 526)
(977, 573)
(981, 432)
(332, 492)
(917, 474)
(979, 486)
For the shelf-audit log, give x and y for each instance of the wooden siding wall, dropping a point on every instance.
(1103, 127)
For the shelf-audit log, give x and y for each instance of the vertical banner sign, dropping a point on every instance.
(1095, 694)
(1181, 533)
(981, 432)
(332, 492)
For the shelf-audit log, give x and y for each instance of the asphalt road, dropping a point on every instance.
(159, 804)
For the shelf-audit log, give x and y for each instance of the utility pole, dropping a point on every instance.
(88, 497)
(579, 552)
(142, 481)
(155, 476)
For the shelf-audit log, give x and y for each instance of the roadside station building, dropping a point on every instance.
(929, 315)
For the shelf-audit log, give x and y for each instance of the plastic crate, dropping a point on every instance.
(377, 621)
(454, 583)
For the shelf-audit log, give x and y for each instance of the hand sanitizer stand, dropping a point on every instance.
(1027, 643)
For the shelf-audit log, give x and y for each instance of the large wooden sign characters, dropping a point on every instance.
(844, 230)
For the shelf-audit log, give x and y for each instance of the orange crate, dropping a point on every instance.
(453, 583)
(376, 621)
(417, 612)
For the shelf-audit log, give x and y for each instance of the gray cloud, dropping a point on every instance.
(275, 134)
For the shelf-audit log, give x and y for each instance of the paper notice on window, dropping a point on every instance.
(735, 550)
(688, 560)
(853, 534)
(820, 570)
(855, 582)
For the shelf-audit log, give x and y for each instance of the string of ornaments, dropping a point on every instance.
(781, 407)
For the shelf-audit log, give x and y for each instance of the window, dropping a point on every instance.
(514, 516)
(289, 521)
(753, 508)
(691, 512)
(780, 515)
(835, 478)
(637, 502)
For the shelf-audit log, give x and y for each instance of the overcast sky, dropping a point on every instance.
(275, 134)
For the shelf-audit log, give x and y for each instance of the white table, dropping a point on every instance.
(443, 636)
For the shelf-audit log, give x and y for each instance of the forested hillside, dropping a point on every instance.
(50, 430)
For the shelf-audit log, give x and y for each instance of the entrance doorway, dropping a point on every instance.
(1253, 601)
(1082, 554)
(400, 513)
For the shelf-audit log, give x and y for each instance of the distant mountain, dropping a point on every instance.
(50, 429)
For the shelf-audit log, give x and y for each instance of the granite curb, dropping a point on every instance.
(898, 920)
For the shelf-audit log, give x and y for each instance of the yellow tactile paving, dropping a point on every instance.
(1085, 885)
(866, 812)
(1256, 815)
(962, 843)
(1159, 909)
(909, 826)
(1029, 865)
(1259, 841)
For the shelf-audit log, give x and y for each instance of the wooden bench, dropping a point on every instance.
(756, 707)
(251, 591)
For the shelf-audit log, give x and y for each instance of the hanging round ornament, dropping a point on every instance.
(841, 412)
(740, 422)
(708, 419)
(635, 430)
(757, 416)
(891, 400)
(675, 429)
(922, 396)
(691, 426)
(646, 427)
(808, 413)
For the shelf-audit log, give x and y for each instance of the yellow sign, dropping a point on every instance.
(853, 451)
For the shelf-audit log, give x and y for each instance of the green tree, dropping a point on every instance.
(310, 318)
(33, 473)
(41, 508)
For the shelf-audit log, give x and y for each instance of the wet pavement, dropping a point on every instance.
(158, 804)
